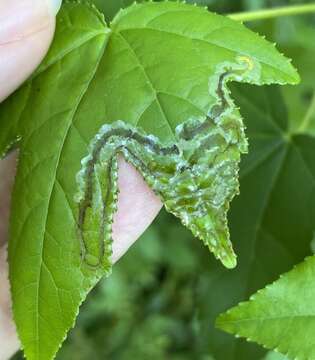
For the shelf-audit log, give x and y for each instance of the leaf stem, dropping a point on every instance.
(274, 12)
(308, 116)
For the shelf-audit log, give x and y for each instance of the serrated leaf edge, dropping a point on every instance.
(251, 299)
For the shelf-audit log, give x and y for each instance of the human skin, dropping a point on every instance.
(26, 31)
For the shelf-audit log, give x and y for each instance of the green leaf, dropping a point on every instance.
(280, 316)
(150, 69)
(272, 355)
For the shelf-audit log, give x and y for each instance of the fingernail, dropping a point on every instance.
(54, 6)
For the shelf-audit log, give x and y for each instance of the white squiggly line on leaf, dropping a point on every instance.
(196, 178)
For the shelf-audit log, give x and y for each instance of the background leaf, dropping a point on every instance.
(133, 73)
(281, 315)
(111, 7)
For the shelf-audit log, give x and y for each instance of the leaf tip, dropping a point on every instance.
(229, 261)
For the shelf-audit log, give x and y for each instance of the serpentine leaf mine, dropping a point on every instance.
(196, 178)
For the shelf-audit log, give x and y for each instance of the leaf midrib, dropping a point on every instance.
(308, 117)
(145, 74)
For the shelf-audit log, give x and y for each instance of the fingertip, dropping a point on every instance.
(26, 31)
(137, 208)
(54, 6)
(22, 18)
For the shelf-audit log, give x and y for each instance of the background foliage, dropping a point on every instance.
(164, 295)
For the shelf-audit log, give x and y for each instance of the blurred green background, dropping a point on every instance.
(164, 295)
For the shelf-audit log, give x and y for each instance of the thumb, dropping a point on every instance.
(26, 31)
